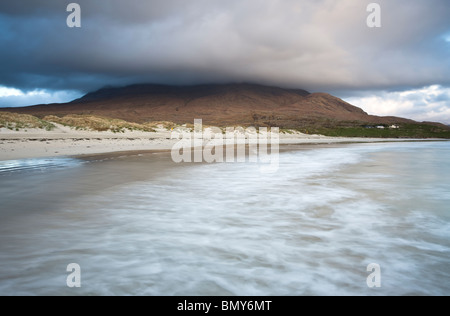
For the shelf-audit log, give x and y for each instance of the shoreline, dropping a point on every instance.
(43, 144)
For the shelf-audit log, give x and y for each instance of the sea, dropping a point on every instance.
(355, 219)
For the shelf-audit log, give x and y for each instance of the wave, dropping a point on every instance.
(227, 229)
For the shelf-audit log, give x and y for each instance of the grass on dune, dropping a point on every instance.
(16, 122)
(101, 124)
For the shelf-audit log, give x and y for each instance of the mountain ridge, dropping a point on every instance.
(221, 105)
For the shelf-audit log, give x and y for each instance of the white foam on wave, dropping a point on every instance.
(38, 164)
(312, 228)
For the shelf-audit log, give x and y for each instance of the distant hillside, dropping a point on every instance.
(220, 105)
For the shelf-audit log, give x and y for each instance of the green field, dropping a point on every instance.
(405, 131)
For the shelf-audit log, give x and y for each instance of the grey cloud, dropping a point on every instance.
(429, 103)
(318, 45)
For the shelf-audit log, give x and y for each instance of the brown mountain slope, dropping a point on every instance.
(221, 105)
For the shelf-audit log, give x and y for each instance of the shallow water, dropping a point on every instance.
(143, 225)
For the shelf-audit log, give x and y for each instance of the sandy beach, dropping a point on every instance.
(66, 141)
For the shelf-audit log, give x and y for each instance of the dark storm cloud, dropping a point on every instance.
(318, 45)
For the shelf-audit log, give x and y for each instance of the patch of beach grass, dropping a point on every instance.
(100, 124)
(17, 122)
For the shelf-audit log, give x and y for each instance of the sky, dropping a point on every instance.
(401, 68)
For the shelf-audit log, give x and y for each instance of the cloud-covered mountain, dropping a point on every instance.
(221, 105)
